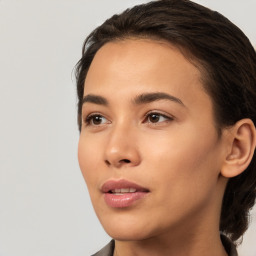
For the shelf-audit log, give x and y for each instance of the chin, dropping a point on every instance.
(126, 229)
(129, 234)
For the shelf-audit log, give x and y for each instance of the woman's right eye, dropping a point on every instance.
(95, 120)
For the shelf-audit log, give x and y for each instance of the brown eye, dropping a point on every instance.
(153, 118)
(95, 120)
(157, 118)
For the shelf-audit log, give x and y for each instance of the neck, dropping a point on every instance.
(174, 245)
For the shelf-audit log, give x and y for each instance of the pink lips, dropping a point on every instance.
(122, 193)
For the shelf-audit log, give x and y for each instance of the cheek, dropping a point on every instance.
(179, 156)
(183, 174)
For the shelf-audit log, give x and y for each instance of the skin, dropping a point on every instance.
(178, 157)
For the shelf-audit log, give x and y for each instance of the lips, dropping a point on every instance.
(122, 193)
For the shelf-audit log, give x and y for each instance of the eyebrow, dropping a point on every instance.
(140, 99)
(99, 100)
(151, 97)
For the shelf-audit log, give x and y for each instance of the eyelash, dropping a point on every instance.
(89, 118)
(146, 118)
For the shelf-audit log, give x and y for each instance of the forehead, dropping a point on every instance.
(142, 64)
(137, 60)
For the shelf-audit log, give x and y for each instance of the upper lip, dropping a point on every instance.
(118, 184)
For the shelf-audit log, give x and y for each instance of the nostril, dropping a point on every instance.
(107, 162)
(117, 163)
(125, 161)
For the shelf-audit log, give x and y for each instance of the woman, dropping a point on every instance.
(166, 111)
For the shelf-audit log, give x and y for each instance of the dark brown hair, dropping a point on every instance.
(226, 60)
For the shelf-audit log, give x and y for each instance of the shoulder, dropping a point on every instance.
(108, 250)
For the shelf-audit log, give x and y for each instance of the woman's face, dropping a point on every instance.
(149, 150)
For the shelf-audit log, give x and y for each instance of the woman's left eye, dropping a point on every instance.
(157, 118)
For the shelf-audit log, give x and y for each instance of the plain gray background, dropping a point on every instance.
(44, 206)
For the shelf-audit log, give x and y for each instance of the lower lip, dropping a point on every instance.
(124, 200)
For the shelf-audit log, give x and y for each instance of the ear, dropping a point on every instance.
(241, 148)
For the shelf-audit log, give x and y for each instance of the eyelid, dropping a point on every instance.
(160, 113)
(88, 117)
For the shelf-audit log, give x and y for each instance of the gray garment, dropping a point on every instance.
(108, 250)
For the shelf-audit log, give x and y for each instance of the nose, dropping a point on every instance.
(122, 149)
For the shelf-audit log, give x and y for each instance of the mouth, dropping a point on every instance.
(122, 193)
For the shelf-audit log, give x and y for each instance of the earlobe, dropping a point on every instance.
(242, 146)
